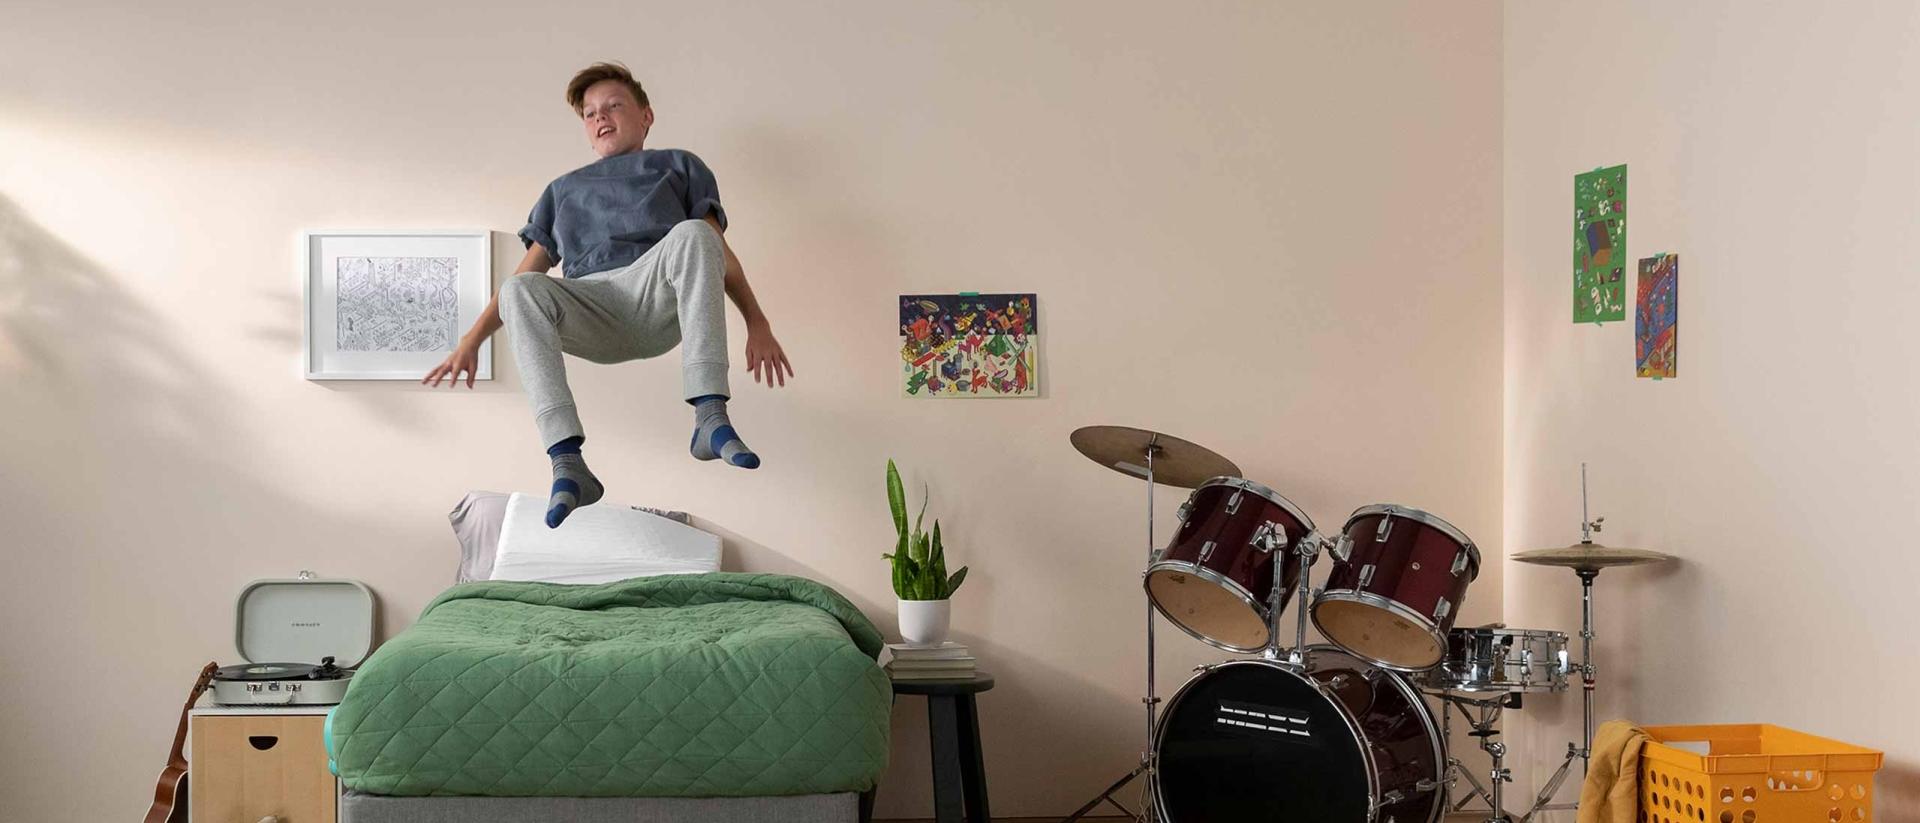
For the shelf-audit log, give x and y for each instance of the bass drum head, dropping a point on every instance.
(1253, 741)
(1215, 612)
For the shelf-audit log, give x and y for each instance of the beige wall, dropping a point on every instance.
(1772, 147)
(1270, 228)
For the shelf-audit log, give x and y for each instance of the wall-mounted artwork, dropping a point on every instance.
(969, 345)
(1600, 245)
(391, 305)
(1656, 317)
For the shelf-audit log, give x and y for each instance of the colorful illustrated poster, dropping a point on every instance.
(1599, 245)
(969, 345)
(1656, 316)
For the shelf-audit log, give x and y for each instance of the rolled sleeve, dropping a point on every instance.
(703, 192)
(539, 228)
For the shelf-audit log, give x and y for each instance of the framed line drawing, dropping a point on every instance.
(390, 305)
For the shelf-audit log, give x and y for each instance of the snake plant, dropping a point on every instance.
(919, 561)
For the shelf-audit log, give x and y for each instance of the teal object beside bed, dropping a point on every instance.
(705, 685)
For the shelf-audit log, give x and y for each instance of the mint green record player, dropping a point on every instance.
(323, 626)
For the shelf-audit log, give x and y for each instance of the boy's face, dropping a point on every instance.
(615, 122)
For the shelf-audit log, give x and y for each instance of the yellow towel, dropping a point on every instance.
(1612, 790)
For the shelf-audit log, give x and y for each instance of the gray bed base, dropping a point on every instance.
(808, 808)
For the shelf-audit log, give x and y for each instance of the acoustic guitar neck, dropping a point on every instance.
(170, 791)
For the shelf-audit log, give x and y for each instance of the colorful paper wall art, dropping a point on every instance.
(1599, 245)
(1656, 316)
(969, 345)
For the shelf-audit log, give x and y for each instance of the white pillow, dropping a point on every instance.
(477, 519)
(598, 544)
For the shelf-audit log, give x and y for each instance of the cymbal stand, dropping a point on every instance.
(1149, 812)
(1582, 752)
(1540, 803)
(1587, 528)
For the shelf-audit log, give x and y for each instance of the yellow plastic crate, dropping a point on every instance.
(1754, 773)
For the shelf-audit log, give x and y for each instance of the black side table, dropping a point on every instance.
(953, 723)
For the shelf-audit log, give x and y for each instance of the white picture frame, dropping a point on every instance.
(408, 297)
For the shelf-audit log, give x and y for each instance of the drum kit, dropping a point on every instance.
(1341, 731)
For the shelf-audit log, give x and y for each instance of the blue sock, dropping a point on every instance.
(573, 484)
(713, 434)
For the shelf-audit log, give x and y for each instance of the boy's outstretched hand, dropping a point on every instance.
(765, 358)
(464, 359)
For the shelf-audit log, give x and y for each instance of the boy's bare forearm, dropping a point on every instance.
(738, 289)
(742, 295)
(486, 325)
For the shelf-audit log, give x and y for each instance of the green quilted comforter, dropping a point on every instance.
(703, 685)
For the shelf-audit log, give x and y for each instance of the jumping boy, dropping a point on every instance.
(646, 264)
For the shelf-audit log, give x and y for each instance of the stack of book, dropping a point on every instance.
(945, 661)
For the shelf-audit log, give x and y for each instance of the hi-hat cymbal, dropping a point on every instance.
(1176, 462)
(1591, 557)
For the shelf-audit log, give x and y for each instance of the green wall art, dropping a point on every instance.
(1600, 245)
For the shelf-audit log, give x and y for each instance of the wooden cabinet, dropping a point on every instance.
(250, 764)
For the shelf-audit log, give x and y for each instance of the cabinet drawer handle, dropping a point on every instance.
(263, 742)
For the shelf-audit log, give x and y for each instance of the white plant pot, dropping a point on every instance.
(925, 622)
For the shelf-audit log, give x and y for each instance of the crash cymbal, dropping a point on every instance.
(1591, 557)
(1176, 462)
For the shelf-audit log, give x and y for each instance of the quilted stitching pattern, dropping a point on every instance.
(720, 684)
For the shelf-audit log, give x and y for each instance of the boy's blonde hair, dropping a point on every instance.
(577, 87)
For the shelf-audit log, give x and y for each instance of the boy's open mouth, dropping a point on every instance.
(604, 131)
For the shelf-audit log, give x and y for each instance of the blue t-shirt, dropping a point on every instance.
(606, 214)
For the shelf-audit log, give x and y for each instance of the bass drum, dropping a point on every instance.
(1257, 740)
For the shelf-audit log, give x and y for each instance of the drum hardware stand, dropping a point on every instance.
(1149, 812)
(1485, 728)
(1308, 550)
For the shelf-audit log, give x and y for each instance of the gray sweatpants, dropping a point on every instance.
(675, 294)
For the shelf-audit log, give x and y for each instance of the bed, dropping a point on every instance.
(717, 696)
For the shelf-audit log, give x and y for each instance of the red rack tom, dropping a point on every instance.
(1399, 578)
(1216, 577)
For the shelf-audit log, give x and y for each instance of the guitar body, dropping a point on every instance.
(170, 791)
(169, 798)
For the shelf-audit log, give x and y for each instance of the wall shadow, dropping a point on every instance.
(1023, 705)
(739, 553)
(133, 513)
(1896, 790)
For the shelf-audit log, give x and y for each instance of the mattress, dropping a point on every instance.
(807, 808)
(707, 685)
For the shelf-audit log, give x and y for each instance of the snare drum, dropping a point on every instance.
(1499, 659)
(1215, 579)
(1399, 576)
